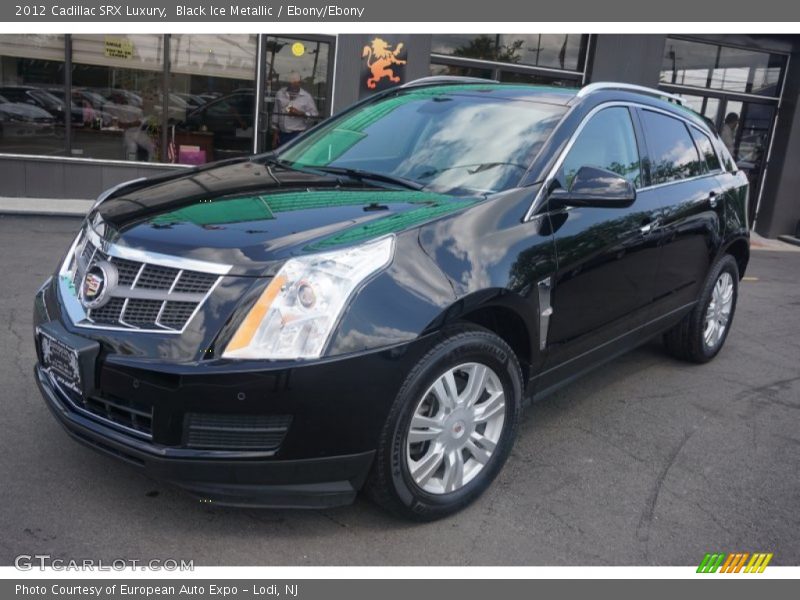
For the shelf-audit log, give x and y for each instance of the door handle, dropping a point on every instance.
(713, 199)
(648, 228)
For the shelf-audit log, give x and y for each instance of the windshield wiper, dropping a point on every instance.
(361, 174)
(285, 164)
(478, 168)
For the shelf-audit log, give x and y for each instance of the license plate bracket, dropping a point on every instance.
(67, 358)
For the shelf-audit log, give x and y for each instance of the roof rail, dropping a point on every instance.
(610, 85)
(446, 80)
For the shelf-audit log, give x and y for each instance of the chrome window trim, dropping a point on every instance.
(69, 295)
(610, 104)
(721, 162)
(674, 181)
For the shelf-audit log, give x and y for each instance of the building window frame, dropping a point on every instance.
(497, 67)
(166, 72)
(721, 94)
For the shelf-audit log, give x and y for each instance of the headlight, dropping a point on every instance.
(295, 315)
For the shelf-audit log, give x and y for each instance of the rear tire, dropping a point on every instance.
(701, 334)
(451, 427)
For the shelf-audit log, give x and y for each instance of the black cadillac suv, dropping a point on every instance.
(372, 305)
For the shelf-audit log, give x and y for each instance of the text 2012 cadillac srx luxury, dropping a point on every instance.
(372, 305)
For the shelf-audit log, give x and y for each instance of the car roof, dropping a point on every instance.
(593, 94)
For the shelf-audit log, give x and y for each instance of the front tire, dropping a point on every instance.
(701, 334)
(451, 427)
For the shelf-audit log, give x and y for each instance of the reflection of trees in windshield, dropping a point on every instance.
(502, 134)
(447, 141)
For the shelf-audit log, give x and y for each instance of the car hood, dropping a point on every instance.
(26, 111)
(253, 216)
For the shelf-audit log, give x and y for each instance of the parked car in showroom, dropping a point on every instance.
(229, 119)
(22, 120)
(373, 305)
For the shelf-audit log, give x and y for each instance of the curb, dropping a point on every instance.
(45, 206)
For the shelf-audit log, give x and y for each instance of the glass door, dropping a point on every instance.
(296, 87)
(745, 127)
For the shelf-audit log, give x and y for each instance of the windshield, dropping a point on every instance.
(447, 142)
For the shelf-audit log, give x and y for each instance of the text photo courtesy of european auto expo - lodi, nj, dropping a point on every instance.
(384, 298)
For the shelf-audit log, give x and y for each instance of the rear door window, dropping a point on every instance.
(706, 149)
(672, 153)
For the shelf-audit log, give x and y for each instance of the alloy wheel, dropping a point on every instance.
(455, 428)
(718, 312)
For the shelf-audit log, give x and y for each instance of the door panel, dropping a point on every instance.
(607, 261)
(607, 257)
(690, 229)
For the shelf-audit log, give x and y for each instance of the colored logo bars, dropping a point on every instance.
(735, 562)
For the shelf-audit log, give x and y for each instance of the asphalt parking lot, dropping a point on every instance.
(645, 461)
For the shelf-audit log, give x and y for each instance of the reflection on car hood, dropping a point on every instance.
(253, 217)
(25, 111)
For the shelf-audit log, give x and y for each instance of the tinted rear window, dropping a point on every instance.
(672, 152)
(706, 150)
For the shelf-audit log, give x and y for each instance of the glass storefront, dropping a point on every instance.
(717, 67)
(306, 59)
(117, 97)
(212, 96)
(33, 113)
(547, 59)
(737, 90)
(184, 98)
(556, 51)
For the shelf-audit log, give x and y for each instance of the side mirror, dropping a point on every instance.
(595, 187)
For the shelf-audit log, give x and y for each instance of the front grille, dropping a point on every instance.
(110, 312)
(155, 277)
(235, 432)
(148, 296)
(194, 282)
(176, 313)
(127, 270)
(141, 313)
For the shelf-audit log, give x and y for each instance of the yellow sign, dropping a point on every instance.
(118, 47)
(298, 49)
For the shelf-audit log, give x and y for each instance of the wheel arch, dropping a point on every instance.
(504, 313)
(739, 248)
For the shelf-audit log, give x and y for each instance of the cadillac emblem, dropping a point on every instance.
(97, 284)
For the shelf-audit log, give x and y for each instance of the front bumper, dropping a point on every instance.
(305, 483)
(335, 409)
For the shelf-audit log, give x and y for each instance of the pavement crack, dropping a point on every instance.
(646, 519)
